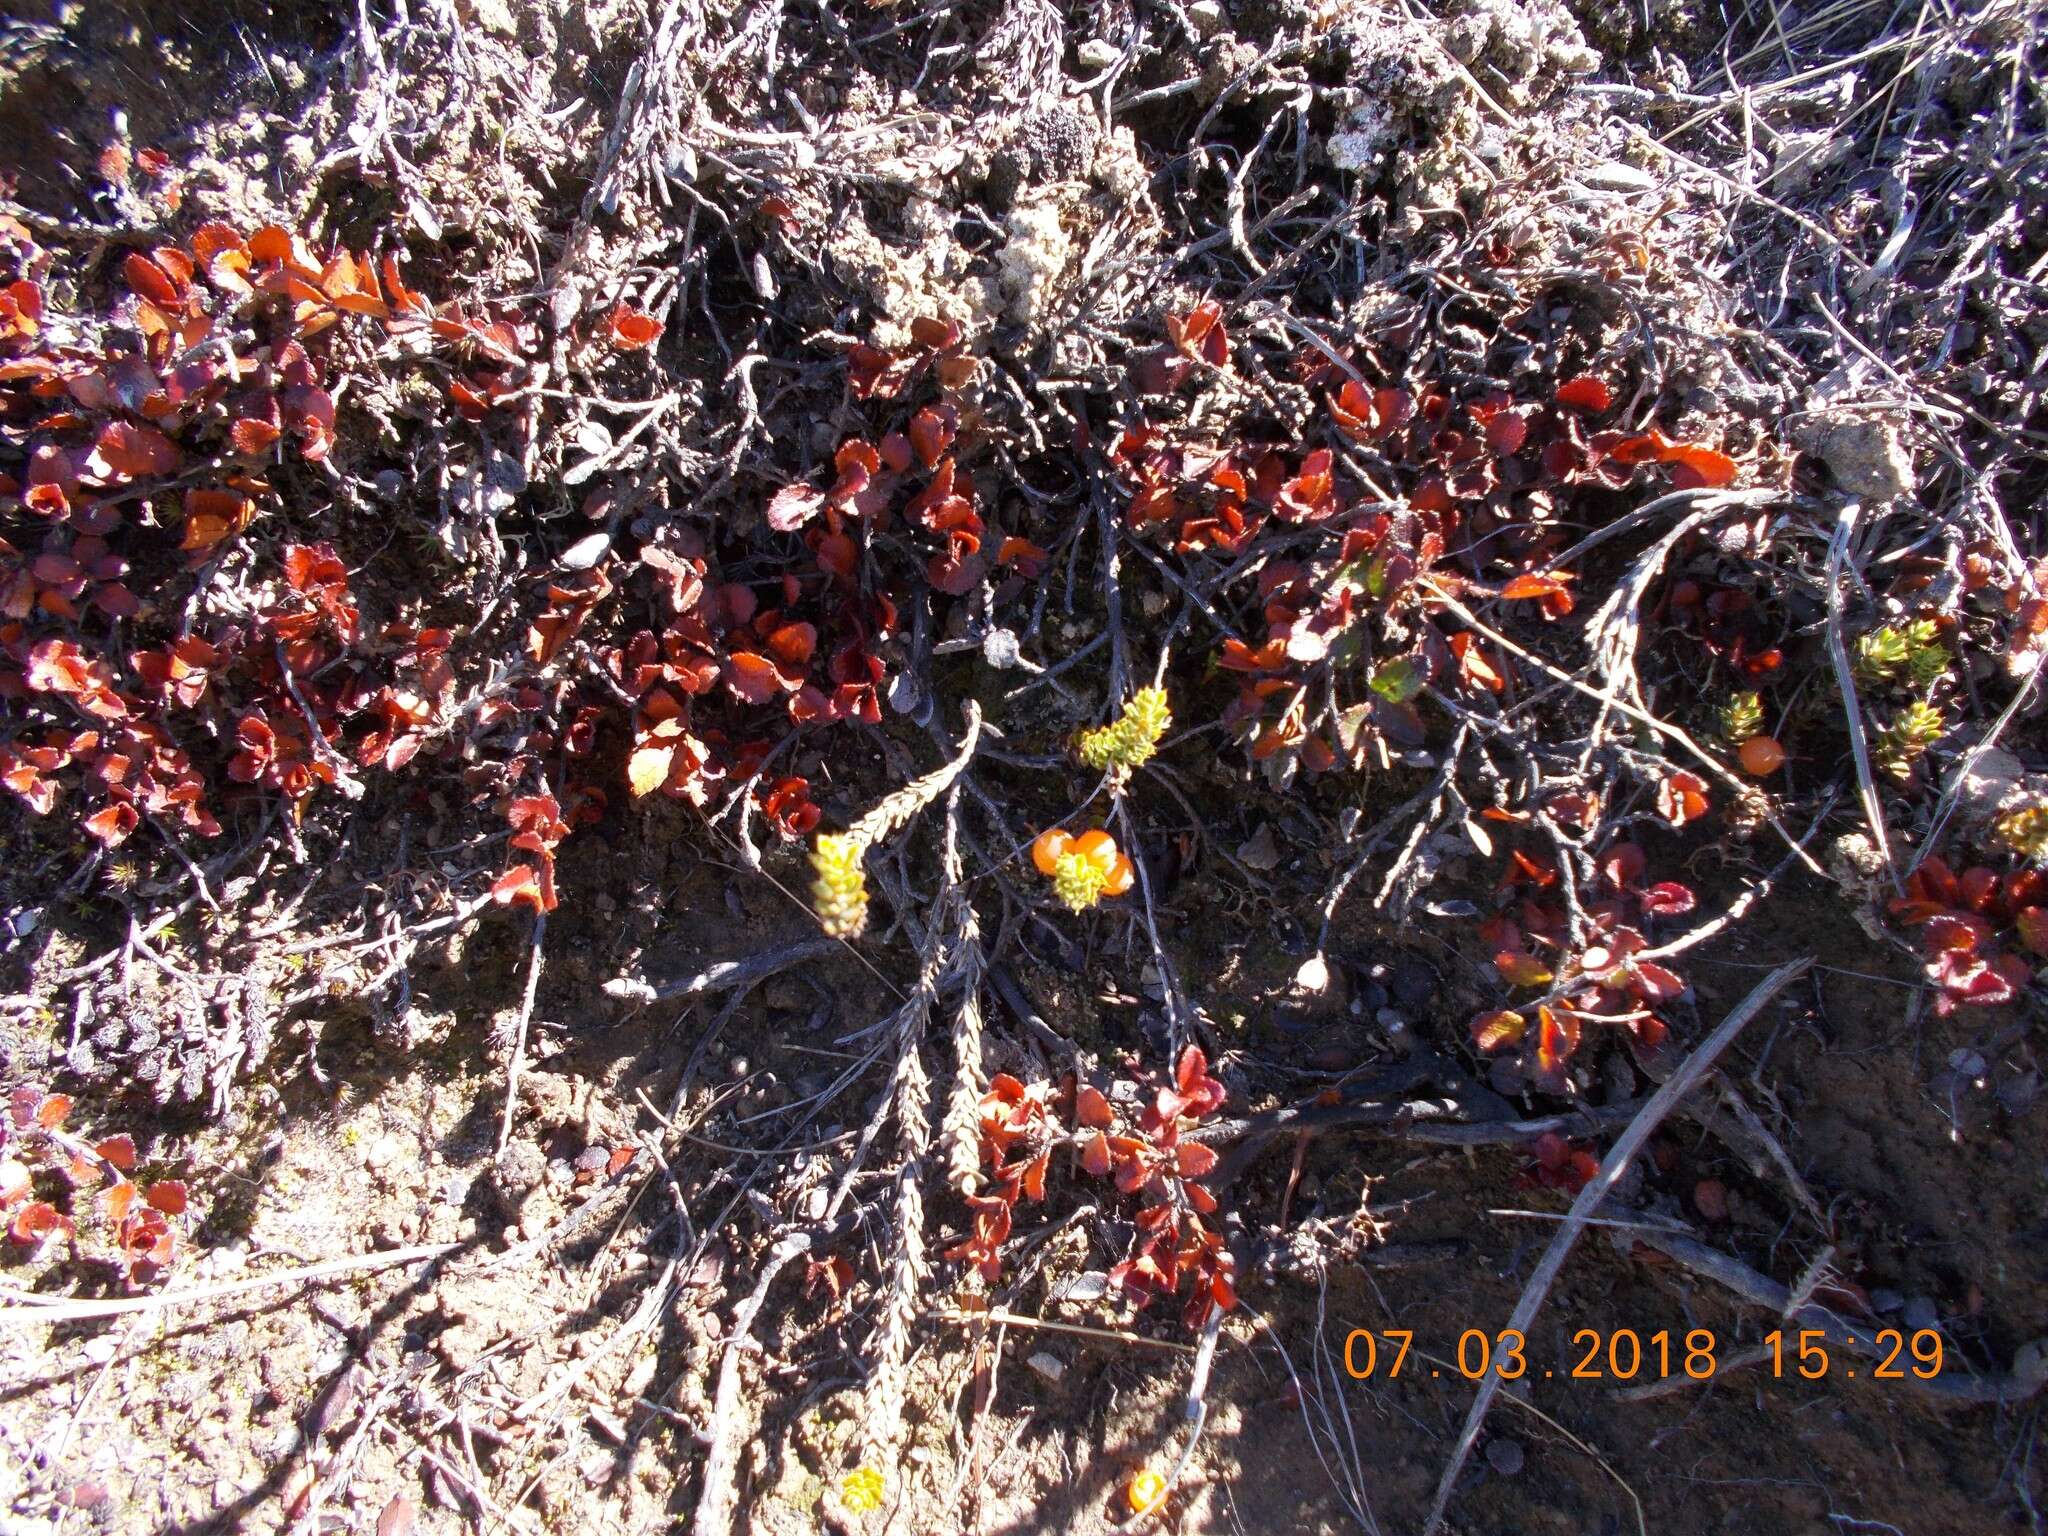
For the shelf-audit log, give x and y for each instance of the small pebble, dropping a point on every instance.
(1504, 1456)
(1048, 1367)
(1092, 1285)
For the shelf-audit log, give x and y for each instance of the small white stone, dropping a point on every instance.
(1098, 53)
(1618, 176)
(1048, 1367)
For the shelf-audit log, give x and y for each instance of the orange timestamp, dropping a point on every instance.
(1623, 1354)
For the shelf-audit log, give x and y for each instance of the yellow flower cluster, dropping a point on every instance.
(1131, 739)
(1082, 869)
(2026, 830)
(861, 1490)
(840, 889)
(1078, 881)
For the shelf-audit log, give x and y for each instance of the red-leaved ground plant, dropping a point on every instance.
(99, 1207)
(1972, 926)
(1148, 1156)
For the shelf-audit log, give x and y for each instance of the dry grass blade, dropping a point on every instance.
(18, 1310)
(1845, 680)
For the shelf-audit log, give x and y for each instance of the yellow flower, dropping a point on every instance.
(1144, 1491)
(2026, 830)
(861, 1490)
(1129, 742)
(840, 891)
(1078, 881)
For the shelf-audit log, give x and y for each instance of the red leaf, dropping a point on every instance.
(519, 885)
(1962, 932)
(1506, 433)
(1091, 1108)
(51, 1113)
(1635, 448)
(118, 1150)
(873, 373)
(1095, 1155)
(132, 451)
(931, 433)
(1657, 983)
(752, 678)
(149, 279)
(1192, 1072)
(1699, 466)
(1667, 898)
(1557, 1036)
(1193, 1159)
(1682, 798)
(1585, 393)
(113, 825)
(1029, 558)
(1536, 584)
(793, 645)
(35, 1221)
(1623, 866)
(211, 515)
(632, 329)
(252, 435)
(167, 1195)
(1200, 333)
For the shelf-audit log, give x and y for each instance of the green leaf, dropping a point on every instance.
(1398, 681)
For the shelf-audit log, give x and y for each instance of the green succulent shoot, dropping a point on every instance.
(1910, 654)
(1903, 742)
(1741, 717)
